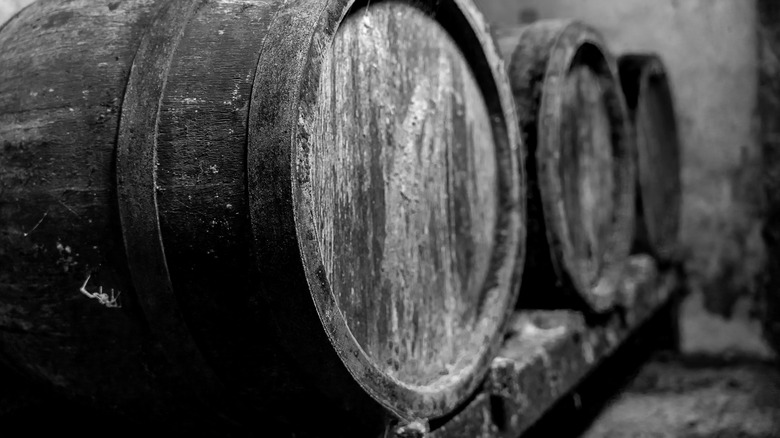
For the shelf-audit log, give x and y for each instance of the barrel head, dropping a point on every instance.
(649, 96)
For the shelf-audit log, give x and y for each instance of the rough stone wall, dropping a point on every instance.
(709, 47)
(9, 7)
(769, 112)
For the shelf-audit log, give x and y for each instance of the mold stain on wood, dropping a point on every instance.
(587, 175)
(405, 189)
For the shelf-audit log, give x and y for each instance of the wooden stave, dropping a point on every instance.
(637, 70)
(540, 55)
(183, 356)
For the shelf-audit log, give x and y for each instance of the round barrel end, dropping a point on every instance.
(659, 195)
(406, 197)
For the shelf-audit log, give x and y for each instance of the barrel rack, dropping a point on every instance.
(548, 355)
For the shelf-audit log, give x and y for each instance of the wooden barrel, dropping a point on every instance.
(580, 165)
(659, 196)
(306, 208)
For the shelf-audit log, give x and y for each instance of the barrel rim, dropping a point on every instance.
(404, 400)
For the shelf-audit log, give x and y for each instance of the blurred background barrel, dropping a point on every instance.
(579, 164)
(212, 209)
(659, 195)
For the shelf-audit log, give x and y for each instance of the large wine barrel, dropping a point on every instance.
(659, 197)
(290, 207)
(580, 165)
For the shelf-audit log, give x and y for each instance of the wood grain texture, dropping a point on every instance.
(404, 178)
(575, 125)
(649, 97)
(587, 170)
(63, 68)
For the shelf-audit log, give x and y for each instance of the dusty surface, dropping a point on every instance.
(697, 396)
(404, 181)
(724, 383)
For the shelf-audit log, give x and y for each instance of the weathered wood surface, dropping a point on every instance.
(548, 353)
(63, 69)
(659, 197)
(269, 156)
(405, 187)
(580, 165)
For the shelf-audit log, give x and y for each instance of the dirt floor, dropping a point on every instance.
(725, 382)
(696, 397)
